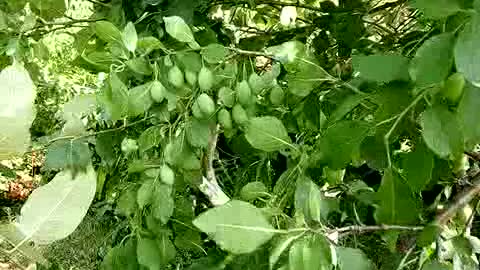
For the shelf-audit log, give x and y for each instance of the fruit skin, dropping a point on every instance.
(256, 83)
(204, 107)
(225, 119)
(191, 77)
(157, 91)
(453, 88)
(277, 95)
(175, 76)
(167, 175)
(226, 96)
(244, 93)
(205, 79)
(239, 115)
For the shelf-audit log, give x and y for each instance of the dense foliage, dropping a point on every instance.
(255, 134)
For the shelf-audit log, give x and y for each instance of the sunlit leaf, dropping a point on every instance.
(108, 32)
(214, 53)
(267, 134)
(178, 29)
(311, 253)
(130, 37)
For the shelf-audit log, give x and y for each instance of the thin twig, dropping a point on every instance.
(355, 229)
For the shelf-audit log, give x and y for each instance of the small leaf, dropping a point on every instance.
(139, 99)
(126, 204)
(146, 45)
(214, 53)
(65, 154)
(163, 203)
(267, 134)
(441, 132)
(437, 9)
(150, 138)
(396, 202)
(418, 167)
(467, 55)
(178, 29)
(148, 253)
(237, 226)
(467, 115)
(130, 37)
(311, 253)
(53, 211)
(350, 258)
(198, 133)
(340, 141)
(145, 193)
(382, 68)
(108, 32)
(253, 191)
(433, 61)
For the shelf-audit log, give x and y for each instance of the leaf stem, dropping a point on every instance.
(356, 229)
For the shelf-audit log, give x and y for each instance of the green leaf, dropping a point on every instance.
(167, 251)
(145, 193)
(117, 99)
(130, 37)
(433, 61)
(308, 200)
(435, 265)
(382, 68)
(253, 191)
(467, 55)
(437, 9)
(397, 204)
(198, 133)
(67, 154)
(150, 138)
(341, 141)
(105, 148)
(347, 105)
(280, 247)
(108, 32)
(163, 203)
(140, 66)
(214, 53)
(190, 60)
(267, 134)
(178, 29)
(441, 132)
(148, 253)
(418, 167)
(467, 115)
(351, 258)
(178, 153)
(237, 226)
(120, 257)
(126, 204)
(146, 45)
(53, 211)
(139, 99)
(311, 253)
(50, 9)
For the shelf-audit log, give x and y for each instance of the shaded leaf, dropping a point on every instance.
(167, 249)
(311, 253)
(253, 191)
(418, 167)
(146, 45)
(435, 265)
(67, 154)
(397, 204)
(139, 99)
(148, 253)
(198, 133)
(53, 211)
(441, 132)
(150, 138)
(437, 9)
(107, 31)
(281, 246)
(467, 115)
(163, 203)
(267, 134)
(127, 202)
(140, 66)
(467, 55)
(214, 53)
(382, 68)
(433, 61)
(237, 226)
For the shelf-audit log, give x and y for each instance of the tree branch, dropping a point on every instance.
(462, 200)
(337, 233)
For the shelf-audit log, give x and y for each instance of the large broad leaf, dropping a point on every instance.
(340, 141)
(163, 203)
(382, 68)
(130, 37)
(396, 202)
(16, 110)
(148, 253)
(351, 258)
(468, 115)
(267, 134)
(115, 98)
(280, 246)
(214, 53)
(178, 29)
(53, 211)
(311, 253)
(467, 55)
(120, 257)
(237, 226)
(167, 249)
(437, 9)
(198, 133)
(441, 132)
(418, 167)
(433, 60)
(139, 100)
(108, 32)
(67, 154)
